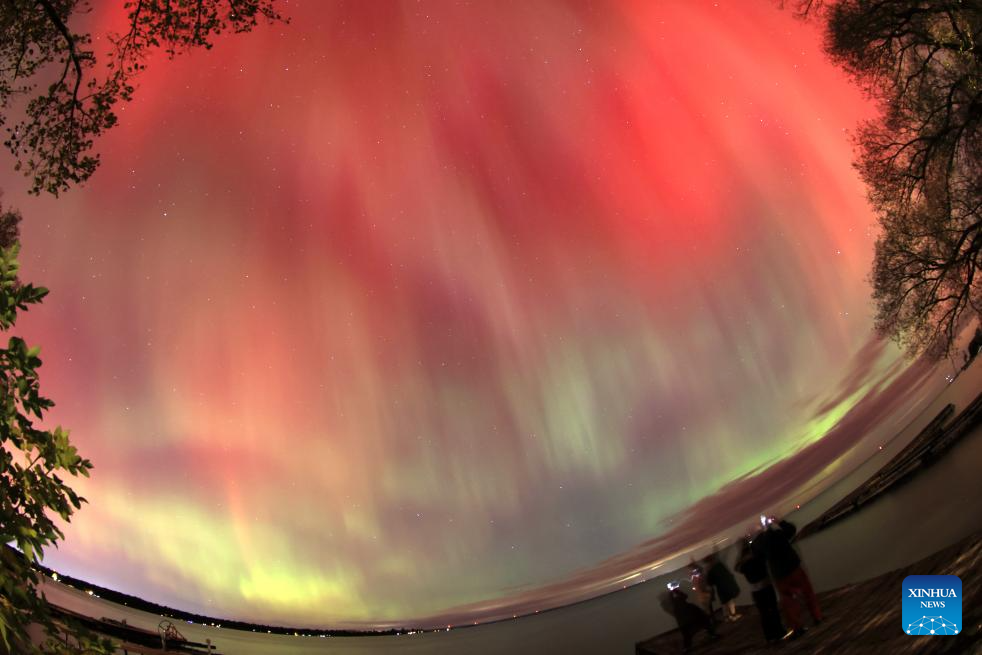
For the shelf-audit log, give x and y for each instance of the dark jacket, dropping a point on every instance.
(753, 567)
(774, 545)
(726, 585)
(689, 616)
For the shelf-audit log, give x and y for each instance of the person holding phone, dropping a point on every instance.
(691, 618)
(754, 569)
(773, 544)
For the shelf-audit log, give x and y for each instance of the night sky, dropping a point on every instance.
(425, 311)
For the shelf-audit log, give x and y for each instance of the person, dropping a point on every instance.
(701, 591)
(691, 618)
(773, 544)
(719, 577)
(754, 569)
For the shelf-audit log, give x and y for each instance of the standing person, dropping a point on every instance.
(754, 569)
(774, 545)
(719, 578)
(691, 618)
(701, 591)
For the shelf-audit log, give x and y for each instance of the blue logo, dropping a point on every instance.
(932, 605)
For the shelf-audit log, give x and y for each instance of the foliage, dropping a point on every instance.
(32, 492)
(42, 58)
(921, 159)
(9, 222)
(57, 105)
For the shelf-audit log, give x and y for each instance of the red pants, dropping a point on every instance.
(791, 587)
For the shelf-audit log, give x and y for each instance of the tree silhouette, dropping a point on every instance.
(921, 158)
(54, 136)
(9, 227)
(59, 105)
(31, 463)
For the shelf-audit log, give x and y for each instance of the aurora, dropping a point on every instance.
(423, 313)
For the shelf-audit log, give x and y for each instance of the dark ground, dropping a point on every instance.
(859, 618)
